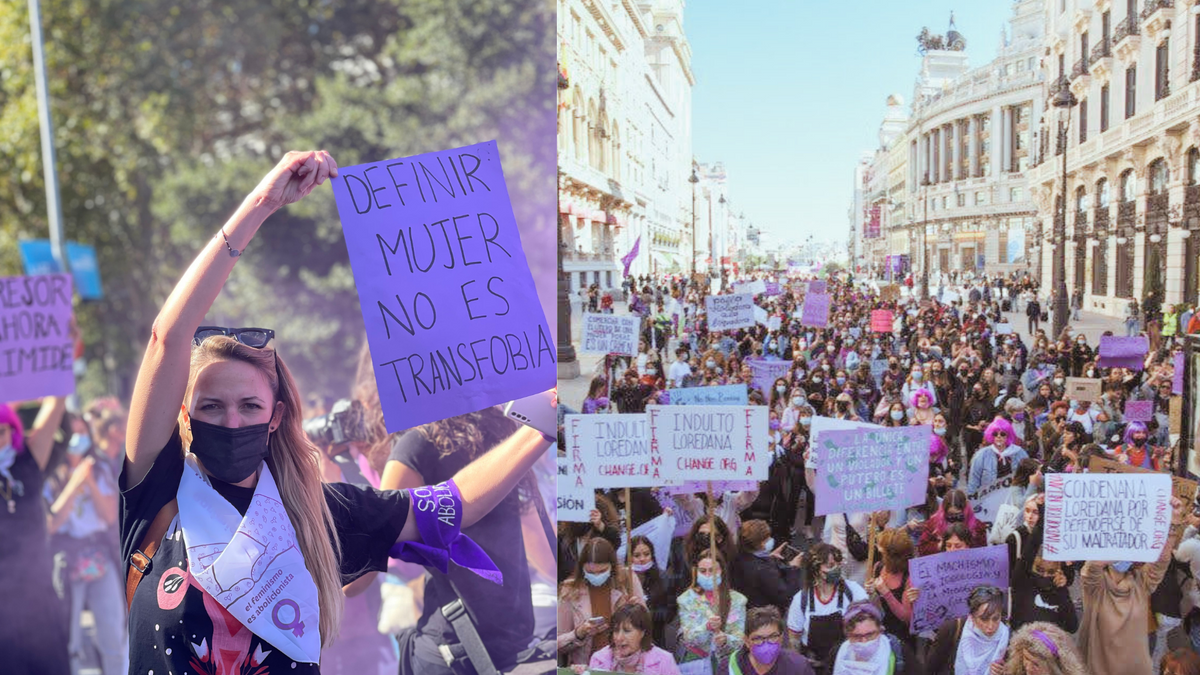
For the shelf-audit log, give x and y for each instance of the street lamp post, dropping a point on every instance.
(568, 365)
(693, 180)
(1063, 100)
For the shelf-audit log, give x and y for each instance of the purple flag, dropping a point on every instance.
(1123, 352)
(633, 253)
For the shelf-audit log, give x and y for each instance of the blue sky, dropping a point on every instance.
(789, 94)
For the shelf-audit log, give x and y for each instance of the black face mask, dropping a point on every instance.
(955, 517)
(230, 455)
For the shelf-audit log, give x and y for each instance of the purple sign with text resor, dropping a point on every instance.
(1123, 352)
(36, 349)
(946, 579)
(815, 312)
(872, 469)
(766, 371)
(452, 317)
(1139, 411)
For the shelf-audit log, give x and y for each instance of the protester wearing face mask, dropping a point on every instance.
(597, 398)
(954, 509)
(760, 572)
(587, 600)
(997, 459)
(765, 651)
(814, 617)
(843, 408)
(630, 649)
(915, 381)
(630, 395)
(680, 369)
(868, 649)
(896, 416)
(659, 598)
(712, 617)
(1136, 450)
(791, 413)
(779, 396)
(1024, 429)
(1116, 606)
(975, 644)
(1040, 588)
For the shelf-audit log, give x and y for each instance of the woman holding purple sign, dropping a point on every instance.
(238, 552)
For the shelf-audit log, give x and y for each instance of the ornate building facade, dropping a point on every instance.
(1131, 137)
(624, 138)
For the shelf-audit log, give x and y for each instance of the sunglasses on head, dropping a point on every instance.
(251, 337)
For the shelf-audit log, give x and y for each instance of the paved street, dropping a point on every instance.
(572, 392)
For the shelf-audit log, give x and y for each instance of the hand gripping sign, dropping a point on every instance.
(439, 513)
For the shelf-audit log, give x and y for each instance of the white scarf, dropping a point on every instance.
(977, 652)
(252, 566)
(878, 664)
(8, 455)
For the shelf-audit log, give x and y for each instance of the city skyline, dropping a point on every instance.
(790, 153)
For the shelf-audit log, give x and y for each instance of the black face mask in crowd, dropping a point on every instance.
(230, 455)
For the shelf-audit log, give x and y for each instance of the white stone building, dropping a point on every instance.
(1131, 157)
(624, 138)
(971, 138)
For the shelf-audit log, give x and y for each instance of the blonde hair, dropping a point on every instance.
(295, 464)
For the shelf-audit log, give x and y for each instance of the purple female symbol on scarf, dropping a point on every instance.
(296, 626)
(438, 510)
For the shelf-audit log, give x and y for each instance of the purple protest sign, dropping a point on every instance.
(1177, 378)
(1123, 352)
(452, 316)
(946, 579)
(766, 371)
(36, 349)
(816, 310)
(817, 286)
(872, 469)
(719, 487)
(772, 288)
(1139, 411)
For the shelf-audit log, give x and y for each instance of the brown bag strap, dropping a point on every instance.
(139, 561)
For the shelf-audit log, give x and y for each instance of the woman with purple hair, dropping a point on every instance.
(1135, 449)
(997, 457)
(920, 407)
(33, 629)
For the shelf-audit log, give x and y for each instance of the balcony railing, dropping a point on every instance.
(1102, 50)
(1125, 29)
(1080, 68)
(1153, 6)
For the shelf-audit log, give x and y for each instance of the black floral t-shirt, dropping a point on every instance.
(175, 628)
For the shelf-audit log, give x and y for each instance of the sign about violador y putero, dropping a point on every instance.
(872, 469)
(452, 317)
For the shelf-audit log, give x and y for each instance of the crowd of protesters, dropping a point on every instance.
(755, 581)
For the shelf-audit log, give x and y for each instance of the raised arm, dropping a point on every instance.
(39, 439)
(162, 379)
(488, 480)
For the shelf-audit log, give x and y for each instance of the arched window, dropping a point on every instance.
(1128, 186)
(1082, 203)
(1193, 165)
(1159, 175)
(1102, 193)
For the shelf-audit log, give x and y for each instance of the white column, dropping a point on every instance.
(974, 146)
(956, 158)
(994, 121)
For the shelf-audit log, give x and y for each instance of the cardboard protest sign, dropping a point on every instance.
(700, 443)
(1139, 411)
(1183, 488)
(766, 371)
(452, 316)
(1004, 328)
(1106, 516)
(1082, 389)
(872, 469)
(612, 451)
(947, 579)
(816, 310)
(37, 354)
(726, 394)
(987, 500)
(1123, 352)
(1175, 419)
(609, 334)
(727, 312)
(1177, 374)
(575, 503)
(818, 286)
(881, 320)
